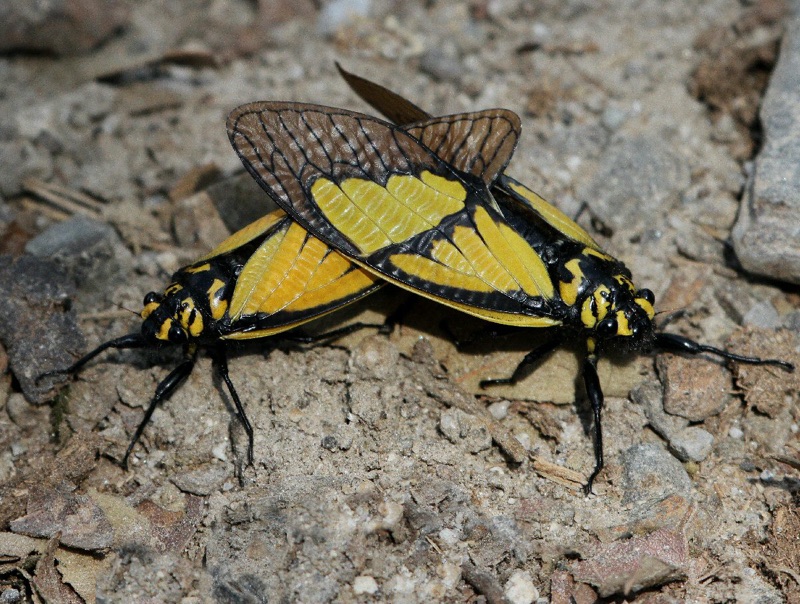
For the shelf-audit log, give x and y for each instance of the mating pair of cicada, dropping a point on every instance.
(422, 203)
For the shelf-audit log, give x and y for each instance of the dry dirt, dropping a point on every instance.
(383, 472)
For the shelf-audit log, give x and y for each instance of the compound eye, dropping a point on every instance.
(647, 295)
(607, 328)
(176, 334)
(152, 298)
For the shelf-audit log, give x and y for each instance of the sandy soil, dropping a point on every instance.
(383, 472)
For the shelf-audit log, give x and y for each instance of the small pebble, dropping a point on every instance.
(499, 410)
(691, 444)
(10, 596)
(736, 432)
(519, 588)
(365, 584)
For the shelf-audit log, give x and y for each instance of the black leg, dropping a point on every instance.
(676, 343)
(163, 392)
(526, 365)
(220, 358)
(595, 394)
(133, 340)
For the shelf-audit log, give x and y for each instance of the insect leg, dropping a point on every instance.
(595, 393)
(676, 343)
(524, 367)
(220, 359)
(164, 390)
(133, 340)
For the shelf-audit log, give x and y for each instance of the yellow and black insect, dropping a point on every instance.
(265, 279)
(273, 276)
(396, 205)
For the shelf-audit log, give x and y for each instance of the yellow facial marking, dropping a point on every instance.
(623, 328)
(553, 216)
(163, 332)
(569, 289)
(215, 303)
(190, 319)
(646, 307)
(373, 217)
(148, 310)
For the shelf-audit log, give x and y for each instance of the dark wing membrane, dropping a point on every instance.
(463, 141)
(286, 278)
(377, 194)
(479, 143)
(391, 105)
(510, 194)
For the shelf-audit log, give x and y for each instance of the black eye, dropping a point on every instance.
(151, 298)
(647, 295)
(176, 334)
(607, 328)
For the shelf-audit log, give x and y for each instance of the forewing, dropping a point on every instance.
(524, 199)
(287, 278)
(479, 143)
(401, 111)
(376, 193)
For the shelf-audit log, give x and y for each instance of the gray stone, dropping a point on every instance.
(650, 473)
(691, 444)
(89, 251)
(766, 237)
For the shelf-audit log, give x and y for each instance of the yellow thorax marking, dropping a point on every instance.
(163, 332)
(569, 289)
(600, 296)
(172, 289)
(195, 327)
(588, 317)
(646, 307)
(217, 305)
(588, 251)
(623, 327)
(198, 269)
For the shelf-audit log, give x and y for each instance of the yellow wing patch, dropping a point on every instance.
(247, 234)
(294, 272)
(373, 216)
(488, 258)
(552, 215)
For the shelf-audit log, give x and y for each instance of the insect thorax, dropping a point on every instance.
(601, 298)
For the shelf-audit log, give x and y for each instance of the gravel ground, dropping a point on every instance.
(383, 472)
